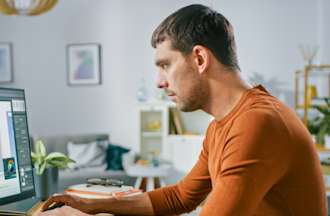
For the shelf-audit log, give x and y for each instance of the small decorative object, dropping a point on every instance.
(154, 126)
(311, 93)
(84, 64)
(6, 63)
(141, 94)
(153, 158)
(26, 7)
(308, 53)
(46, 169)
(321, 124)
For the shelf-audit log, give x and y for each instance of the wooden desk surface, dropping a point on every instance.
(36, 210)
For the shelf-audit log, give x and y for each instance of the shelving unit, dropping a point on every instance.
(305, 75)
(158, 137)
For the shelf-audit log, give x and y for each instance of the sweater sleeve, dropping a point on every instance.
(187, 193)
(254, 158)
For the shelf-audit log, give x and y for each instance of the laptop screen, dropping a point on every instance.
(16, 173)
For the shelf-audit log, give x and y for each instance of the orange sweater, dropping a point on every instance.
(257, 160)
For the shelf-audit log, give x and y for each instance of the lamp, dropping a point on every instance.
(26, 7)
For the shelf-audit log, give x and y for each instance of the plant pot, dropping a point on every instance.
(46, 184)
(327, 142)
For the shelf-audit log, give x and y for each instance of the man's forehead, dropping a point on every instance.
(164, 46)
(164, 50)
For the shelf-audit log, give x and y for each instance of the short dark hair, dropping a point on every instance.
(199, 25)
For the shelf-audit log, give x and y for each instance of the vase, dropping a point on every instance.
(141, 94)
(46, 184)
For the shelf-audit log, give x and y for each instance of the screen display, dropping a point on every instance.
(16, 173)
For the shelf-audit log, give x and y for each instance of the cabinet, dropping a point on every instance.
(158, 138)
(185, 151)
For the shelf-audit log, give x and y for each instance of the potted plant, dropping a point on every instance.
(46, 169)
(321, 123)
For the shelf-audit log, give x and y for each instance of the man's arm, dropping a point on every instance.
(134, 205)
(188, 193)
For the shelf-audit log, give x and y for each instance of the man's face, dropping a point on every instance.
(180, 79)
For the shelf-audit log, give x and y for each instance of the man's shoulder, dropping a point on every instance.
(263, 113)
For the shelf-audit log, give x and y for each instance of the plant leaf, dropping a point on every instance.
(33, 157)
(42, 168)
(55, 155)
(40, 148)
(57, 159)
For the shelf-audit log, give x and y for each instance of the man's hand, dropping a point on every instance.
(64, 211)
(84, 205)
(132, 205)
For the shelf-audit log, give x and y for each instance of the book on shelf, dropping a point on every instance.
(171, 124)
(175, 116)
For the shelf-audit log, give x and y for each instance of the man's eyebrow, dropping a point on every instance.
(159, 62)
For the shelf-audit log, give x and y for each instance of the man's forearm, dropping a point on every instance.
(134, 205)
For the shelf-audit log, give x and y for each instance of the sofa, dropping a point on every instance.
(67, 177)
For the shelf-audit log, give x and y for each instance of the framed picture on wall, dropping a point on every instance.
(6, 66)
(84, 64)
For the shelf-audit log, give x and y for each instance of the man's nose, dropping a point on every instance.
(161, 82)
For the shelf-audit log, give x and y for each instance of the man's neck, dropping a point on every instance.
(225, 94)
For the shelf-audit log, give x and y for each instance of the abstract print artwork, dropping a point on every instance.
(5, 63)
(84, 64)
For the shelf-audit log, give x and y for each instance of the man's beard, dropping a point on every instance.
(196, 97)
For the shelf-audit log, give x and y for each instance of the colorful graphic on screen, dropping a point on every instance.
(9, 167)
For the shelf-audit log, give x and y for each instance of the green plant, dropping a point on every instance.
(321, 124)
(41, 160)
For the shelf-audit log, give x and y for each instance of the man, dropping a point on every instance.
(257, 157)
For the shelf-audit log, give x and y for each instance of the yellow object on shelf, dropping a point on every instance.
(311, 93)
(154, 126)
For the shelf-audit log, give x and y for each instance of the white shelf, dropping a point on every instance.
(151, 134)
(171, 146)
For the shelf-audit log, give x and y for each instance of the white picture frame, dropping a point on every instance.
(84, 64)
(6, 66)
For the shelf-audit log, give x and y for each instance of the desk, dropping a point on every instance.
(35, 211)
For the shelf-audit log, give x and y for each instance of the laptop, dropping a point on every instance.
(17, 189)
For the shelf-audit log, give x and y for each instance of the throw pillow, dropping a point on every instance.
(86, 154)
(114, 157)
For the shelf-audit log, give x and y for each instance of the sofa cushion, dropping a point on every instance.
(86, 154)
(114, 157)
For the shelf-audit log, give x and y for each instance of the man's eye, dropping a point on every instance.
(165, 66)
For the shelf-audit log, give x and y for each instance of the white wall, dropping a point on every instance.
(325, 26)
(267, 32)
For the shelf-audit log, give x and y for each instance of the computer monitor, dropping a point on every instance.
(16, 173)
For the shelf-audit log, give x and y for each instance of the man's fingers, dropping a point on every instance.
(54, 199)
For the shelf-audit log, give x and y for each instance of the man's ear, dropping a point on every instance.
(201, 56)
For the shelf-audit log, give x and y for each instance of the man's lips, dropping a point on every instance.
(170, 93)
